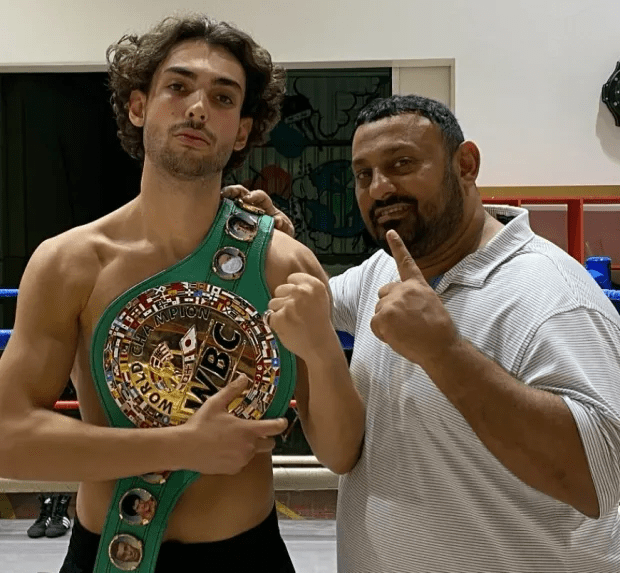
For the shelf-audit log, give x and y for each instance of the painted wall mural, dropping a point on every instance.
(305, 166)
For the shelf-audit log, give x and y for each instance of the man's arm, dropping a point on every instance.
(530, 430)
(330, 408)
(38, 443)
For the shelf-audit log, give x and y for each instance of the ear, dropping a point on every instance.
(137, 107)
(245, 126)
(468, 156)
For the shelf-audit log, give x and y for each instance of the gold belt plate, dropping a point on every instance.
(174, 345)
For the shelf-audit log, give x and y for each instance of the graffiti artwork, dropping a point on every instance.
(305, 167)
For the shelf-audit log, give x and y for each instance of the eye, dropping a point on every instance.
(176, 87)
(363, 176)
(402, 162)
(225, 99)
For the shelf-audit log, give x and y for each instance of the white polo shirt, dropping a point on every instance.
(427, 496)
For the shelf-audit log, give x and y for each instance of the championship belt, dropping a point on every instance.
(163, 347)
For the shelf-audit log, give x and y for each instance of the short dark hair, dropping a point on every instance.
(433, 110)
(133, 61)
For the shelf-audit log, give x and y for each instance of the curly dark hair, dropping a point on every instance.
(433, 110)
(133, 61)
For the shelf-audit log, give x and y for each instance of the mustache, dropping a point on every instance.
(196, 125)
(394, 200)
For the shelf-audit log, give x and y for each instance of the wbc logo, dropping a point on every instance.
(173, 346)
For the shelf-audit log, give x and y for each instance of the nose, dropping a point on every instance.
(197, 108)
(381, 186)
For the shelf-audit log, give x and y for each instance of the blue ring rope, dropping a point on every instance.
(8, 292)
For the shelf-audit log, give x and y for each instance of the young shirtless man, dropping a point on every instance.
(190, 96)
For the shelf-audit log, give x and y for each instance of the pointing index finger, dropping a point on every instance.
(407, 269)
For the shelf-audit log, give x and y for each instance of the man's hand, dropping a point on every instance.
(261, 200)
(220, 443)
(409, 316)
(301, 315)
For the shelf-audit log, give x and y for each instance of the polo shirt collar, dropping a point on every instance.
(474, 269)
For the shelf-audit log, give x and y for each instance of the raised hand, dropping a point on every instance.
(220, 443)
(409, 315)
(302, 315)
(261, 200)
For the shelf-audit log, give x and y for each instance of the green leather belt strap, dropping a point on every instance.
(199, 267)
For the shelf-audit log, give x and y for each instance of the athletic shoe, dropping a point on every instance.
(37, 529)
(59, 522)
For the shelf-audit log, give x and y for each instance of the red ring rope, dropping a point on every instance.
(66, 405)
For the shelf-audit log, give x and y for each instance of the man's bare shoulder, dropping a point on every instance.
(287, 256)
(73, 259)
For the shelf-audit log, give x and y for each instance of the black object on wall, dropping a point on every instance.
(611, 94)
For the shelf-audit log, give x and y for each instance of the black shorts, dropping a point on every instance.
(258, 549)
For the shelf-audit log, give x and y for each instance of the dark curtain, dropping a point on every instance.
(60, 160)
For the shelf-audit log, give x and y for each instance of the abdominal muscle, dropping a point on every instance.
(212, 508)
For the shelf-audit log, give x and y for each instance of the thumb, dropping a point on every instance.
(407, 269)
(228, 393)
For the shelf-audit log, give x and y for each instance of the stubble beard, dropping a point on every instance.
(423, 234)
(185, 165)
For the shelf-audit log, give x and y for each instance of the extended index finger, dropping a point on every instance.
(407, 269)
